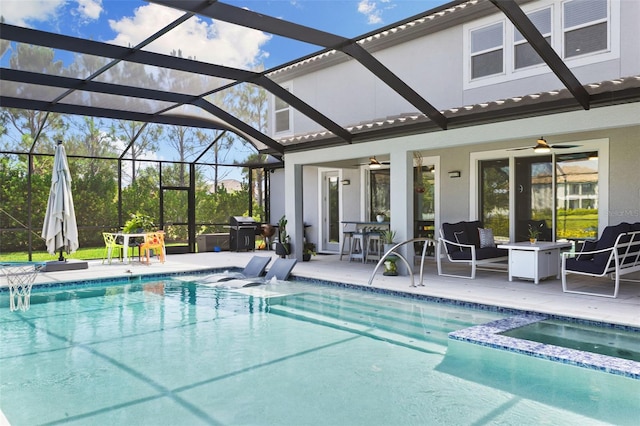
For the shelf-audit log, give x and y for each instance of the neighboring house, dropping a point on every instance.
(494, 95)
(231, 185)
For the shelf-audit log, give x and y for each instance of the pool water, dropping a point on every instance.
(179, 353)
(583, 337)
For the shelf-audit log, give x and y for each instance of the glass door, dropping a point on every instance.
(175, 219)
(331, 228)
(557, 195)
(424, 205)
(534, 197)
(494, 197)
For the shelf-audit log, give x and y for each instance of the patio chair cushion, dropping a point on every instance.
(455, 232)
(607, 239)
(481, 254)
(596, 264)
(472, 231)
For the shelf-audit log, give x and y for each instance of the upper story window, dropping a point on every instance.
(282, 115)
(282, 119)
(487, 50)
(579, 30)
(585, 27)
(523, 54)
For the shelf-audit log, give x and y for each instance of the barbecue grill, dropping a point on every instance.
(242, 233)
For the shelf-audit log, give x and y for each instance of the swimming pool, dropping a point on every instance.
(171, 351)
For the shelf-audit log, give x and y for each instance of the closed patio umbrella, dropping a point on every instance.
(60, 230)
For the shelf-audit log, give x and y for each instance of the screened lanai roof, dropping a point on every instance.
(152, 80)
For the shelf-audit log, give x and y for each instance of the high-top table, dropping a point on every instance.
(353, 229)
(534, 261)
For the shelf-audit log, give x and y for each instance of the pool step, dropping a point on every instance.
(361, 329)
(411, 325)
(421, 323)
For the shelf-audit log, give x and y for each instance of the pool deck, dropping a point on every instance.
(489, 287)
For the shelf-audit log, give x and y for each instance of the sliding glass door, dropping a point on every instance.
(558, 194)
(494, 197)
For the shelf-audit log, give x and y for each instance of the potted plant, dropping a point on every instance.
(380, 217)
(283, 247)
(138, 223)
(534, 233)
(308, 250)
(388, 241)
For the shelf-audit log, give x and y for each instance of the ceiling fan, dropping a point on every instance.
(543, 147)
(374, 163)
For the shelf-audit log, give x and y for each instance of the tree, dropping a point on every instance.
(250, 105)
(28, 125)
(140, 138)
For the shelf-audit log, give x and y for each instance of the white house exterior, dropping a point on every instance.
(498, 96)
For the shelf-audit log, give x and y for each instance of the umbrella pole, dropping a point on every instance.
(61, 258)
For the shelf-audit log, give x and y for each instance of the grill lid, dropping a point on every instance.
(242, 221)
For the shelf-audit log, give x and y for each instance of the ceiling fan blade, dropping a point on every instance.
(564, 146)
(520, 149)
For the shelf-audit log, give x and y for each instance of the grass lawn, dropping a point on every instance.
(42, 256)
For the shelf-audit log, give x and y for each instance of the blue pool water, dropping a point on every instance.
(180, 353)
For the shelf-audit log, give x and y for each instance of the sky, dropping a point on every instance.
(127, 22)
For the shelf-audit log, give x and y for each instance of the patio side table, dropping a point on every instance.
(534, 261)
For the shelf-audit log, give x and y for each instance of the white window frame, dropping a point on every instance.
(501, 47)
(288, 109)
(564, 31)
(557, 43)
(525, 41)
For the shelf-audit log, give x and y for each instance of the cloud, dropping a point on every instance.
(27, 13)
(370, 9)
(19, 12)
(90, 9)
(208, 41)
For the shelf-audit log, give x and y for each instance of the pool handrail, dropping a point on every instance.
(406, 262)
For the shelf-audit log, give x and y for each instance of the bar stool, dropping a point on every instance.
(347, 234)
(358, 246)
(374, 246)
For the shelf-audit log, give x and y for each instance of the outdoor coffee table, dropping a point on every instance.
(534, 261)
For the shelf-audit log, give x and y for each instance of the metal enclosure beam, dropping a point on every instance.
(262, 22)
(546, 52)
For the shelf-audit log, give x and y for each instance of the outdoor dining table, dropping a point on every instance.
(126, 237)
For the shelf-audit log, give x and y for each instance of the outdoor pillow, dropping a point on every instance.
(486, 237)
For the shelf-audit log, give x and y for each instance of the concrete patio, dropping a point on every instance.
(489, 287)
